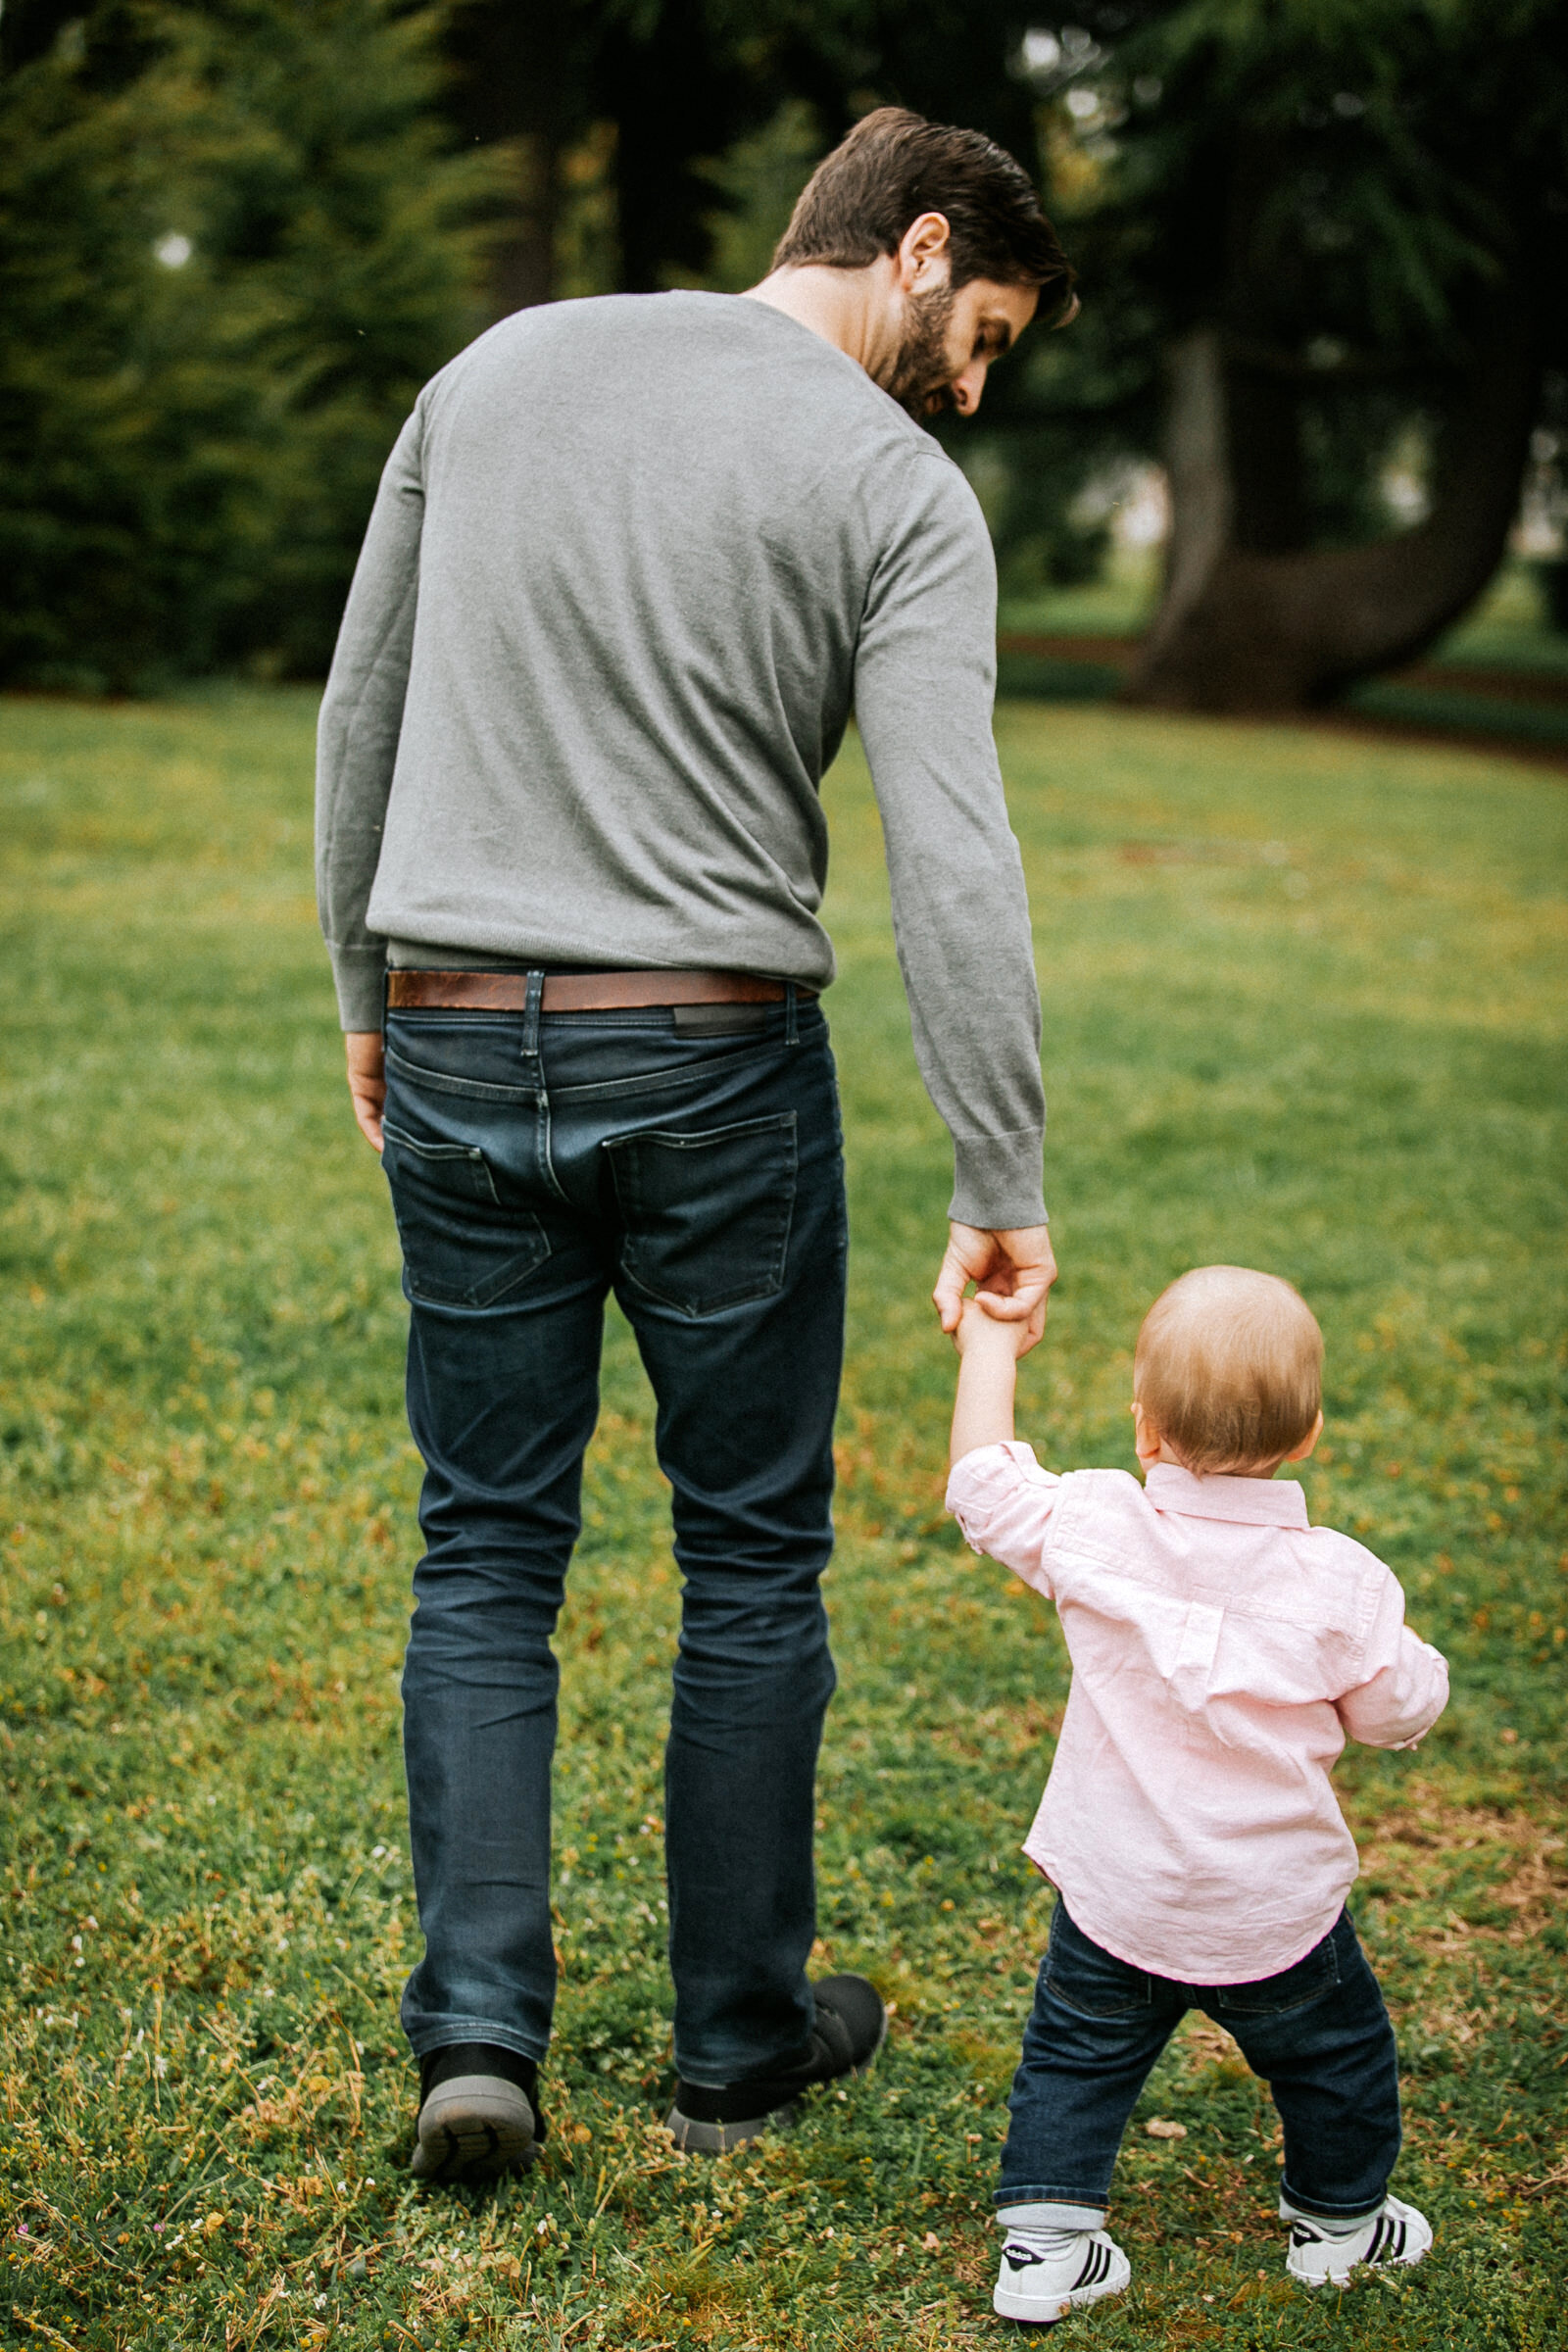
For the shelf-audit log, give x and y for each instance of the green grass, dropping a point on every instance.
(1303, 1008)
(1507, 628)
(1119, 604)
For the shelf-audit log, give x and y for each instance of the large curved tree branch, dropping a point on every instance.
(1254, 632)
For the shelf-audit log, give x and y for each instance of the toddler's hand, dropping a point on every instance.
(978, 1329)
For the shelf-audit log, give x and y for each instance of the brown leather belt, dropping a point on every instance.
(579, 991)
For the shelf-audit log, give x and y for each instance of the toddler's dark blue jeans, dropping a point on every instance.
(537, 1163)
(1318, 2034)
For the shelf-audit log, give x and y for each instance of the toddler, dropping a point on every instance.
(1222, 1650)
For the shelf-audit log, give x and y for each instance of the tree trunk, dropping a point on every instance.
(676, 97)
(1243, 629)
(517, 81)
(522, 260)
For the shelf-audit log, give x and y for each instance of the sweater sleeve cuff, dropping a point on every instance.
(360, 978)
(997, 1181)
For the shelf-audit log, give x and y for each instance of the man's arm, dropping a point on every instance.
(357, 736)
(925, 681)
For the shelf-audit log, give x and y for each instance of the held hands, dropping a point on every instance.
(982, 1331)
(367, 1061)
(1001, 1323)
(1012, 1272)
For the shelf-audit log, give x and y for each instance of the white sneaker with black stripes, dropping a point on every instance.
(1396, 2233)
(1040, 2287)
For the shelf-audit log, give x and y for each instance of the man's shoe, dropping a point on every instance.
(1038, 2287)
(1396, 2233)
(848, 2028)
(478, 2113)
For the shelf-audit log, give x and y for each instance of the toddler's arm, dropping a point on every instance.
(1407, 1685)
(998, 1491)
(987, 1380)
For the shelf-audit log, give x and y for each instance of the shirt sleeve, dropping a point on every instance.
(924, 686)
(360, 720)
(1003, 1501)
(1406, 1684)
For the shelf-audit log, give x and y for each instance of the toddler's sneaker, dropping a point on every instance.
(1038, 2287)
(1396, 2233)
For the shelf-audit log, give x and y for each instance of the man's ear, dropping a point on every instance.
(1298, 1454)
(923, 259)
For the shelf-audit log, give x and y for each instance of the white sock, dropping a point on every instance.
(1046, 2242)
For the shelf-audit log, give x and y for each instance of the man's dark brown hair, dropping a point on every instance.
(895, 166)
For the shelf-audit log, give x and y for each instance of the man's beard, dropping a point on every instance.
(919, 378)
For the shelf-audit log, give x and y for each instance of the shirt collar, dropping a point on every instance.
(1257, 1501)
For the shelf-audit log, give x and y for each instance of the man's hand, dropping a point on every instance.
(1012, 1270)
(366, 1080)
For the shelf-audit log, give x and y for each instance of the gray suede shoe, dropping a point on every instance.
(478, 2113)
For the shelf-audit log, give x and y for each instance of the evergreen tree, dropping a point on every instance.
(232, 245)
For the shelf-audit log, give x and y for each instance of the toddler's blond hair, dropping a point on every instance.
(1229, 1369)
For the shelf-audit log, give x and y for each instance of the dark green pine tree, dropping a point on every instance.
(232, 245)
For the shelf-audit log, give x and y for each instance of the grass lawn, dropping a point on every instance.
(1304, 1009)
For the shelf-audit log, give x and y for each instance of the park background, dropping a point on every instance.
(1280, 529)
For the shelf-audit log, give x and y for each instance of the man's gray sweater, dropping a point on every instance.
(632, 563)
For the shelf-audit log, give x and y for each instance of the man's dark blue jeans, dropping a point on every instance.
(691, 1164)
(1318, 2034)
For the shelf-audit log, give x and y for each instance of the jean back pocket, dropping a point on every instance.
(1084, 1977)
(707, 1216)
(461, 1246)
(1295, 1987)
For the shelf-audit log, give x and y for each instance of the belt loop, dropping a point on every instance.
(792, 1035)
(531, 1016)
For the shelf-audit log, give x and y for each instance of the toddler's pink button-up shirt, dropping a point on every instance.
(1222, 1649)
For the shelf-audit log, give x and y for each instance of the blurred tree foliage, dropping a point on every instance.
(1314, 236)
(233, 243)
(650, 106)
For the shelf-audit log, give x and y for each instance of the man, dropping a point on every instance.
(632, 562)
